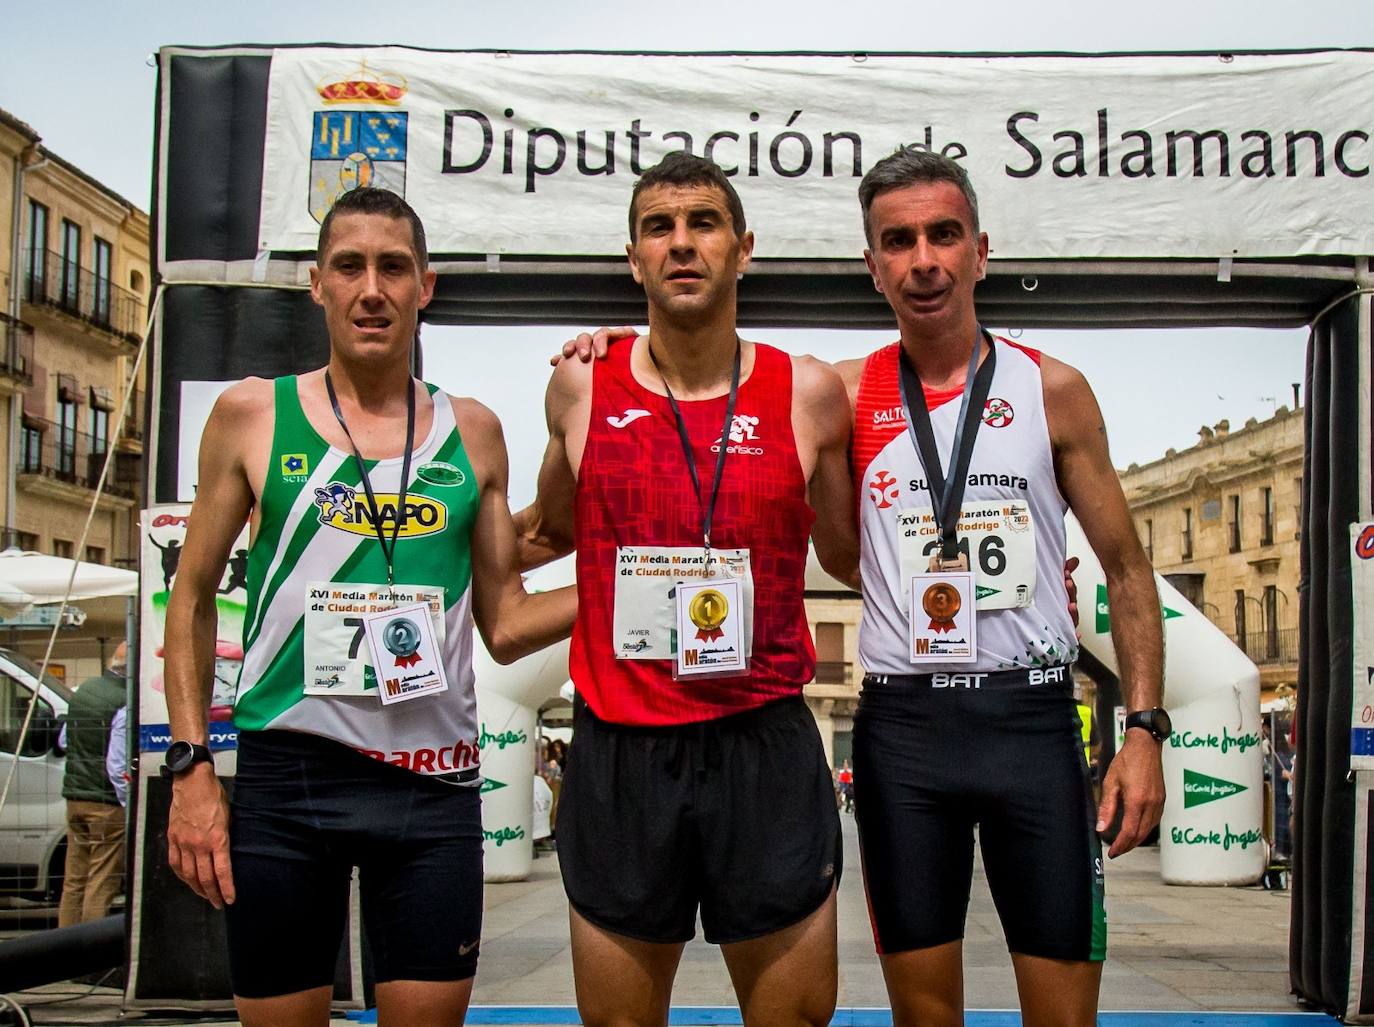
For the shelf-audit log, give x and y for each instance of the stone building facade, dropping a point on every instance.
(75, 276)
(1220, 521)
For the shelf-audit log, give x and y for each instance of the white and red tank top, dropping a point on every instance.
(634, 489)
(1012, 459)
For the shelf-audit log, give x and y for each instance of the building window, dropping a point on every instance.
(38, 250)
(1297, 507)
(95, 554)
(1267, 524)
(1150, 539)
(66, 435)
(100, 430)
(62, 547)
(1233, 527)
(30, 449)
(27, 541)
(1240, 620)
(1271, 622)
(1187, 533)
(100, 304)
(70, 282)
(830, 666)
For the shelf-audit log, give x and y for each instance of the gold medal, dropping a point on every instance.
(708, 611)
(941, 603)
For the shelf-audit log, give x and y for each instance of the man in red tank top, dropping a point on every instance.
(688, 469)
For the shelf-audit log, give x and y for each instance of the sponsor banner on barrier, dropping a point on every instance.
(1362, 706)
(163, 530)
(1245, 155)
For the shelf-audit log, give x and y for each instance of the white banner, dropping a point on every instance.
(1136, 156)
(1362, 706)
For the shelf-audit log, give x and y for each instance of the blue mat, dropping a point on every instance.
(728, 1016)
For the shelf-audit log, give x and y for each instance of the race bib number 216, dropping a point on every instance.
(998, 538)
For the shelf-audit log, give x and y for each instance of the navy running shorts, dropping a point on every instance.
(931, 763)
(734, 816)
(305, 811)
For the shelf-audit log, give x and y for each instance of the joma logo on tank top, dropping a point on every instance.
(345, 508)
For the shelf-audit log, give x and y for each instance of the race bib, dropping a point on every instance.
(997, 536)
(646, 577)
(336, 652)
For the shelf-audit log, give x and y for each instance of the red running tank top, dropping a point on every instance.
(633, 489)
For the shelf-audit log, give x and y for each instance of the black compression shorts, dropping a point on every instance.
(735, 816)
(930, 764)
(305, 811)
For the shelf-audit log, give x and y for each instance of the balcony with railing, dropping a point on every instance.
(131, 432)
(16, 350)
(55, 282)
(49, 452)
(1270, 646)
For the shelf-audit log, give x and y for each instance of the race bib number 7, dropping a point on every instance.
(997, 537)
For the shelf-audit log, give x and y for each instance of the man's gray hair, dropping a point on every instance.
(912, 165)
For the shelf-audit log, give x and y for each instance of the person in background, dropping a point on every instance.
(94, 873)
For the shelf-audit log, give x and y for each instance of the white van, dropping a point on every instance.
(33, 823)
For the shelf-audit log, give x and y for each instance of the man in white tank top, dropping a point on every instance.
(943, 743)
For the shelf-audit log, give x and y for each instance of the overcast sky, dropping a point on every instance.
(79, 73)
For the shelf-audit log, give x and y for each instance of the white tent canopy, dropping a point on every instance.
(44, 578)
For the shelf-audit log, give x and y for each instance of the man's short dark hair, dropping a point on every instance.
(384, 202)
(911, 165)
(684, 169)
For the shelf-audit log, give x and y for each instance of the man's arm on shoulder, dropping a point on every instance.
(1088, 481)
(197, 829)
(819, 395)
(544, 529)
(513, 623)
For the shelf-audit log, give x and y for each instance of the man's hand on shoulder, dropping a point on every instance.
(821, 424)
(594, 345)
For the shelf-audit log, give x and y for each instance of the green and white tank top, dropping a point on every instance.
(315, 525)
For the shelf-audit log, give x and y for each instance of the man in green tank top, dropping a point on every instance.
(371, 493)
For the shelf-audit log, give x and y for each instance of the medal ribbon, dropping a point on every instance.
(947, 493)
(388, 551)
(708, 506)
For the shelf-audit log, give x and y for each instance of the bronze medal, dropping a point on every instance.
(941, 603)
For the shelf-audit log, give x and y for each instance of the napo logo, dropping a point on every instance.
(883, 490)
(341, 507)
(997, 413)
(742, 433)
(437, 472)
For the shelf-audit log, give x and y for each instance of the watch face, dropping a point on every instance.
(179, 756)
(1160, 724)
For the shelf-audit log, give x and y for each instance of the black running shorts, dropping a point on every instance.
(305, 812)
(930, 764)
(735, 816)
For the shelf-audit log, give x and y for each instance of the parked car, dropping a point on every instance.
(33, 821)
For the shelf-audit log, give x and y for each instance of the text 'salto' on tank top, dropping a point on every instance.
(1013, 463)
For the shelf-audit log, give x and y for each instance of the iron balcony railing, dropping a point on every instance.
(1277, 646)
(56, 281)
(16, 349)
(48, 449)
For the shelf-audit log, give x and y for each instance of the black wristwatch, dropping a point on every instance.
(182, 756)
(1155, 721)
